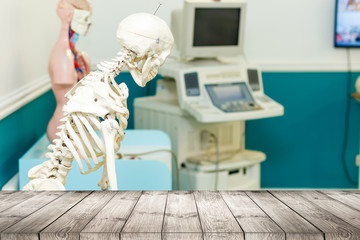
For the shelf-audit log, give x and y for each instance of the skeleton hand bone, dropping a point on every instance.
(98, 104)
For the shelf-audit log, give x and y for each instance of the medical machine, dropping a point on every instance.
(208, 98)
(209, 28)
(203, 104)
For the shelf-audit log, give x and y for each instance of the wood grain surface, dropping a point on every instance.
(213, 215)
(332, 226)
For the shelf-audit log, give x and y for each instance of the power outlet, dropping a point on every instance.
(358, 160)
(206, 139)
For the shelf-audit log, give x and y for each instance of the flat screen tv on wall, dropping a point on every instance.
(347, 23)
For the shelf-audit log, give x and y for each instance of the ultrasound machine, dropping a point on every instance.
(207, 93)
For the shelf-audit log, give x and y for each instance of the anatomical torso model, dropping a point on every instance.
(66, 65)
(96, 112)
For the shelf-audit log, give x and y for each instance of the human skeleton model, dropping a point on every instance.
(98, 103)
(66, 65)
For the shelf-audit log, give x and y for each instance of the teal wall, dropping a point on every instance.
(303, 147)
(20, 130)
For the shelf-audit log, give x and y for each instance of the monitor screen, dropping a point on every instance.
(230, 97)
(216, 26)
(347, 23)
(192, 84)
(209, 29)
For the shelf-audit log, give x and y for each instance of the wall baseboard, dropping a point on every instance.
(301, 66)
(22, 96)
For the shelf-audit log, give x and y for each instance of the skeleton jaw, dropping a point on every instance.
(143, 69)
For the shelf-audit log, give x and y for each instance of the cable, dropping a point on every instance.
(214, 140)
(217, 160)
(221, 158)
(347, 119)
(121, 156)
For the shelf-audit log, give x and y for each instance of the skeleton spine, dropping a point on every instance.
(66, 149)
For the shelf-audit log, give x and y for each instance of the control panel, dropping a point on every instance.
(215, 92)
(232, 97)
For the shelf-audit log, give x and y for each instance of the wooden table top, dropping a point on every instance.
(180, 215)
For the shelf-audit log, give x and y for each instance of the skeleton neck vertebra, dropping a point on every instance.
(125, 57)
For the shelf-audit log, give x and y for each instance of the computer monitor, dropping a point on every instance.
(347, 23)
(209, 28)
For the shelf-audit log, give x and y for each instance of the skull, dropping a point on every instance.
(149, 37)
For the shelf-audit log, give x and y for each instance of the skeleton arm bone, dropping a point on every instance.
(109, 127)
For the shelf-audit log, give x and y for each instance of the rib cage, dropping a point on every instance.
(79, 138)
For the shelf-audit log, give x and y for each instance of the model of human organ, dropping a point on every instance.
(96, 113)
(67, 65)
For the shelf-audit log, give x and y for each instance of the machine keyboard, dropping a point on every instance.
(263, 99)
(238, 106)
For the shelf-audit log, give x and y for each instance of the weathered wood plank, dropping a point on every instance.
(302, 236)
(22, 237)
(332, 226)
(254, 222)
(30, 226)
(69, 225)
(148, 214)
(4, 194)
(181, 214)
(223, 235)
(9, 199)
(181, 236)
(100, 236)
(215, 216)
(19, 211)
(262, 235)
(350, 198)
(341, 210)
(111, 219)
(141, 236)
(294, 225)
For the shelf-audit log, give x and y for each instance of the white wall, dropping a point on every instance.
(100, 43)
(28, 32)
(294, 35)
(292, 32)
(281, 35)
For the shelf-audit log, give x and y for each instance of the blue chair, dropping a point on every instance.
(151, 172)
